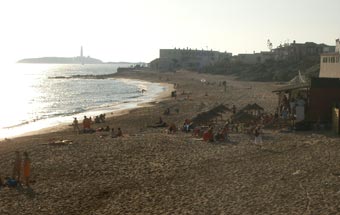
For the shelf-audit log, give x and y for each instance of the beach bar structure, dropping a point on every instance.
(293, 92)
(321, 96)
(324, 95)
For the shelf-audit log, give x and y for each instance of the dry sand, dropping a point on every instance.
(151, 172)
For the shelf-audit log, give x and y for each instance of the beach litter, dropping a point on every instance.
(61, 142)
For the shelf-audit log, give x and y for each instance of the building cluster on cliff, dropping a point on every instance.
(330, 63)
(173, 59)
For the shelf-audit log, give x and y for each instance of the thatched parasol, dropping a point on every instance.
(242, 116)
(256, 107)
(252, 107)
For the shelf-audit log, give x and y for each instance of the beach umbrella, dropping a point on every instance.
(205, 117)
(247, 107)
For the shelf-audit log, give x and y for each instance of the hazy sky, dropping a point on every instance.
(134, 30)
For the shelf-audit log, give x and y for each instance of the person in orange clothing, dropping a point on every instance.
(27, 168)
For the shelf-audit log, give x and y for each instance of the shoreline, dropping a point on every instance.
(161, 96)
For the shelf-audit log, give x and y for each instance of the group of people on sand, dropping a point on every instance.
(87, 126)
(118, 134)
(21, 171)
(220, 135)
(208, 133)
(100, 118)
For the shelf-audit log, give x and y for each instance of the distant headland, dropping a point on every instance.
(62, 60)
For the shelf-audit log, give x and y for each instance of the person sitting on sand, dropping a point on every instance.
(221, 135)
(100, 129)
(208, 135)
(119, 133)
(197, 131)
(107, 128)
(159, 124)
(27, 168)
(218, 135)
(224, 133)
(186, 125)
(17, 166)
(172, 128)
(167, 111)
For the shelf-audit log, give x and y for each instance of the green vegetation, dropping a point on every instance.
(271, 70)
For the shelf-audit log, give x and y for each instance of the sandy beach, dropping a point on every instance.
(149, 171)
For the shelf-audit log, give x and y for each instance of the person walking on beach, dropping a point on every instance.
(76, 125)
(27, 168)
(257, 133)
(17, 166)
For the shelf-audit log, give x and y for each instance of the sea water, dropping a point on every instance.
(38, 96)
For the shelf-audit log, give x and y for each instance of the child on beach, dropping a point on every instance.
(17, 166)
(258, 137)
(27, 168)
(172, 128)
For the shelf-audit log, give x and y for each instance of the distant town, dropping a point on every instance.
(193, 58)
(277, 64)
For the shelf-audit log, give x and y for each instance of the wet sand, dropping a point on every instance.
(151, 172)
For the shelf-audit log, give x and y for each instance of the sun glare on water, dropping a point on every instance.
(16, 93)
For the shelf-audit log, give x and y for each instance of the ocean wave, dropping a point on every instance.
(16, 125)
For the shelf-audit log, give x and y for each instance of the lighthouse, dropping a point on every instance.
(81, 55)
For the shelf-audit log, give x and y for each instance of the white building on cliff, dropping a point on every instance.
(330, 63)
